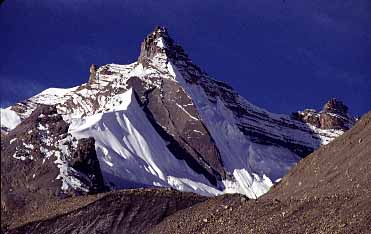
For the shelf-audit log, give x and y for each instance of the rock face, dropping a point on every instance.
(40, 161)
(334, 115)
(212, 140)
(153, 44)
(188, 137)
(336, 107)
(84, 159)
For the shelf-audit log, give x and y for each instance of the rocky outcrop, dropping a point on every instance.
(334, 115)
(40, 161)
(336, 107)
(93, 71)
(153, 44)
(188, 138)
(309, 116)
(84, 160)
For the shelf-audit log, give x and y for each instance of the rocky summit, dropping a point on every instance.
(159, 122)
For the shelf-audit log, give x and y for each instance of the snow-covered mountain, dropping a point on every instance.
(162, 121)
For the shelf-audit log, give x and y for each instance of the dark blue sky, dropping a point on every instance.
(283, 55)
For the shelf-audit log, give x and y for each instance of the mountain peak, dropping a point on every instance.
(154, 44)
(160, 31)
(159, 48)
(183, 129)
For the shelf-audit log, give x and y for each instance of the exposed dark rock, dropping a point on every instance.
(334, 115)
(308, 116)
(85, 160)
(335, 106)
(148, 48)
(188, 138)
(93, 71)
(29, 167)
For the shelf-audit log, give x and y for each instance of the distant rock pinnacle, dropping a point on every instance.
(92, 73)
(335, 106)
(334, 115)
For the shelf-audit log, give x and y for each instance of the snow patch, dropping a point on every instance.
(28, 146)
(9, 119)
(199, 132)
(182, 108)
(160, 42)
(12, 140)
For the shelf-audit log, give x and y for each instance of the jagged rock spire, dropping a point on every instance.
(161, 31)
(334, 115)
(335, 106)
(160, 44)
(158, 48)
(155, 43)
(93, 71)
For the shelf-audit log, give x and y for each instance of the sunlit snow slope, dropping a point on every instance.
(131, 152)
